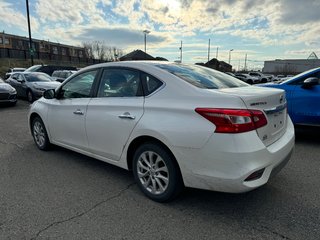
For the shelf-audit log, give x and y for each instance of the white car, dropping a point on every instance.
(13, 70)
(262, 78)
(247, 78)
(173, 125)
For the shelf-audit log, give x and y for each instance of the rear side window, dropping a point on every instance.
(202, 77)
(151, 83)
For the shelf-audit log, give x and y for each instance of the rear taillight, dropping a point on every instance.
(233, 120)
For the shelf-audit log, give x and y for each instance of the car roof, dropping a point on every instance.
(133, 64)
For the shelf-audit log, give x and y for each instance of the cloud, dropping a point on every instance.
(11, 17)
(299, 12)
(69, 12)
(119, 36)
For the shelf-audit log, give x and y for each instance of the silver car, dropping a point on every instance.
(31, 84)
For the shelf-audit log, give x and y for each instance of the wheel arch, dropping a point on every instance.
(32, 117)
(138, 141)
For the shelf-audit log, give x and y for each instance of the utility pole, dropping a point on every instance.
(29, 28)
(217, 53)
(245, 63)
(209, 51)
(181, 52)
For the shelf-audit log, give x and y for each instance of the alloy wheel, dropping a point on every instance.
(153, 172)
(39, 134)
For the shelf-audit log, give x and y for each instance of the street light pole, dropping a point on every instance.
(209, 51)
(145, 41)
(180, 52)
(29, 28)
(230, 55)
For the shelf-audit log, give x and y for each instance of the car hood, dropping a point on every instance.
(46, 85)
(5, 87)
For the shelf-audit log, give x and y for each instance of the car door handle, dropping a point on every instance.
(78, 112)
(127, 116)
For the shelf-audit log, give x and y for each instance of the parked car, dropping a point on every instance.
(13, 70)
(61, 75)
(279, 77)
(49, 69)
(173, 125)
(247, 78)
(303, 95)
(270, 77)
(31, 85)
(262, 78)
(7, 93)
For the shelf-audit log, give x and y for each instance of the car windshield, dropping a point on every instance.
(202, 77)
(33, 68)
(38, 77)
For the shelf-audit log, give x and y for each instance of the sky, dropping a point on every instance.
(262, 29)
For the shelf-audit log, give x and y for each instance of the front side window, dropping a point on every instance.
(202, 77)
(79, 86)
(303, 76)
(55, 74)
(14, 76)
(119, 83)
(20, 78)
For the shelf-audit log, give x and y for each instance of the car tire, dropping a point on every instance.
(156, 172)
(39, 133)
(263, 80)
(30, 96)
(250, 82)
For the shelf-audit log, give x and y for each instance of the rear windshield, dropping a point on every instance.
(40, 77)
(202, 77)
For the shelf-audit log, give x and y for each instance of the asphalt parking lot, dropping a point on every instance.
(60, 194)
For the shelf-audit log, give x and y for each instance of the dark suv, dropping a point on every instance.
(49, 69)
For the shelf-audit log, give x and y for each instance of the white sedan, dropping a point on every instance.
(173, 125)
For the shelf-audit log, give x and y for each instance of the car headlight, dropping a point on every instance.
(13, 91)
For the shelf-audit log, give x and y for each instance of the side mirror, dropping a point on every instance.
(310, 82)
(49, 94)
(21, 81)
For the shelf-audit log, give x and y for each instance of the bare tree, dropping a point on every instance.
(88, 49)
(100, 50)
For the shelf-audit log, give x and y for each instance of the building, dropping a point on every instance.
(290, 66)
(217, 65)
(136, 55)
(13, 46)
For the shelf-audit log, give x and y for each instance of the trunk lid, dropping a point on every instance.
(274, 105)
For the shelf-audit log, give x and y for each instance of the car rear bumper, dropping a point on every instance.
(226, 161)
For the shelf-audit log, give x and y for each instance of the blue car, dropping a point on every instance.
(303, 97)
